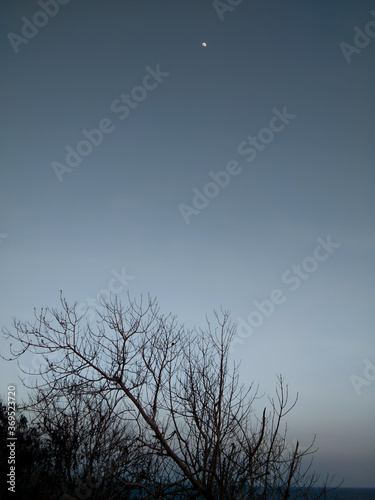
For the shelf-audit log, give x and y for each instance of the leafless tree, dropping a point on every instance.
(177, 388)
(89, 445)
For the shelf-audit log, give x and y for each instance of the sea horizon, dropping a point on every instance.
(347, 493)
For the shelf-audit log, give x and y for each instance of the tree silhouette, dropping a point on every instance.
(190, 417)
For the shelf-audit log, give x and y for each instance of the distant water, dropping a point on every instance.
(351, 494)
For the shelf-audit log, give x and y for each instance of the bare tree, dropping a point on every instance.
(92, 450)
(177, 387)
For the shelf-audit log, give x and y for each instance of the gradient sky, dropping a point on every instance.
(118, 210)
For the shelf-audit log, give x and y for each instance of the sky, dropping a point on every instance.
(237, 175)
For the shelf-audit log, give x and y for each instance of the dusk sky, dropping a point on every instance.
(237, 175)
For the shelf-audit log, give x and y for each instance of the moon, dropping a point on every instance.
(204, 44)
